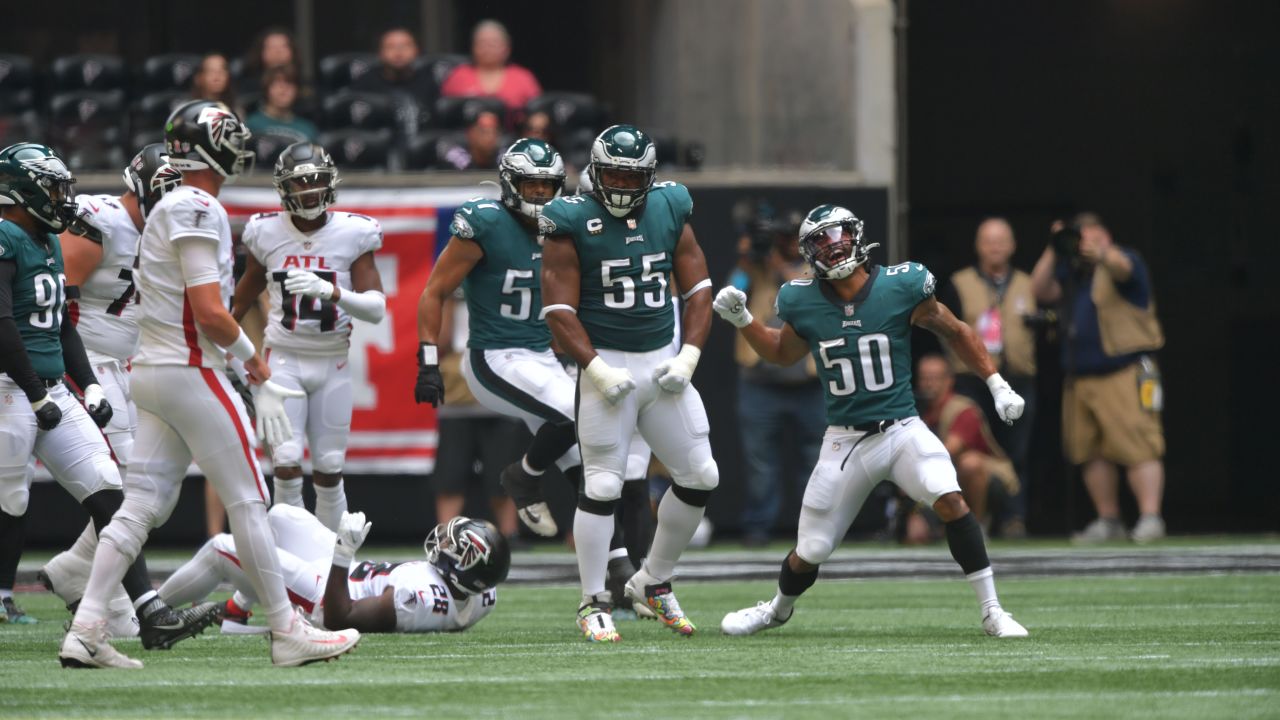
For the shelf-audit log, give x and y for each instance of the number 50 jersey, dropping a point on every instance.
(299, 323)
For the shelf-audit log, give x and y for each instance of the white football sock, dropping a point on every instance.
(243, 600)
(288, 491)
(784, 605)
(69, 570)
(256, 550)
(198, 577)
(591, 536)
(331, 502)
(677, 522)
(109, 567)
(984, 584)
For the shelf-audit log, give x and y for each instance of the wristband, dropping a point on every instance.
(242, 349)
(430, 354)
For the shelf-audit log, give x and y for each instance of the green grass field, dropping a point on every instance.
(1186, 646)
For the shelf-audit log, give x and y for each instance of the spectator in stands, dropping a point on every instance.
(985, 473)
(995, 299)
(213, 82)
(483, 143)
(538, 127)
(271, 49)
(474, 443)
(397, 49)
(276, 116)
(1112, 396)
(780, 409)
(489, 74)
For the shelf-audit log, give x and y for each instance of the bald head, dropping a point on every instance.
(994, 245)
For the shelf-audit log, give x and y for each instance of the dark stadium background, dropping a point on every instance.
(1161, 116)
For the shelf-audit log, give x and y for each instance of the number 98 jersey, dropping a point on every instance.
(299, 323)
(625, 299)
(862, 347)
(108, 306)
(503, 290)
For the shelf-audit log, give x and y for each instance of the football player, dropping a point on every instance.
(317, 266)
(99, 248)
(40, 344)
(607, 258)
(453, 589)
(187, 409)
(495, 255)
(856, 321)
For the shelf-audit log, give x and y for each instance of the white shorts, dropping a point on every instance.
(852, 463)
(673, 424)
(113, 376)
(74, 451)
(323, 416)
(304, 549)
(185, 414)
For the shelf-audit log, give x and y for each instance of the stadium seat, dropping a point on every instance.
(17, 84)
(22, 126)
(151, 111)
(235, 68)
(169, 72)
(439, 65)
(358, 149)
(88, 72)
(339, 71)
(459, 112)
(673, 153)
(357, 110)
(268, 146)
(569, 111)
(143, 138)
(87, 127)
(422, 151)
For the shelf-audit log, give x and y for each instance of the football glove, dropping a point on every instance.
(430, 385)
(673, 375)
(351, 532)
(48, 414)
(1009, 404)
(614, 383)
(274, 427)
(731, 304)
(95, 401)
(303, 282)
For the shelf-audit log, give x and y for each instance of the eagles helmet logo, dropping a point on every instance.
(461, 228)
(546, 225)
(930, 282)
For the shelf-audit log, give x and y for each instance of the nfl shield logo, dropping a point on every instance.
(631, 223)
(848, 310)
(306, 245)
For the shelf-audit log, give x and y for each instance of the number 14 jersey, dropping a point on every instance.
(300, 323)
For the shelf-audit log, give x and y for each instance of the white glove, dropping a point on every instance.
(614, 383)
(274, 427)
(302, 282)
(673, 375)
(1009, 404)
(731, 304)
(351, 532)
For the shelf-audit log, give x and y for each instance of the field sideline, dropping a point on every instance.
(1189, 645)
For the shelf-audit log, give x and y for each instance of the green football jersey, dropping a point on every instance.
(504, 296)
(39, 296)
(862, 347)
(625, 299)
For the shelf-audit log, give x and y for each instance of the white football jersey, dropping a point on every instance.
(170, 335)
(106, 314)
(422, 598)
(300, 323)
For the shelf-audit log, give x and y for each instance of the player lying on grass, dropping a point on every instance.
(452, 589)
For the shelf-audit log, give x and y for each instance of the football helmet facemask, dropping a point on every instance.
(150, 175)
(623, 149)
(831, 241)
(33, 177)
(307, 180)
(529, 159)
(202, 134)
(471, 554)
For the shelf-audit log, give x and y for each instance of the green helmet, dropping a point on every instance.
(831, 240)
(624, 148)
(529, 159)
(33, 177)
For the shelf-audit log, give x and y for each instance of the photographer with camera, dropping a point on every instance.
(1111, 393)
(998, 302)
(775, 403)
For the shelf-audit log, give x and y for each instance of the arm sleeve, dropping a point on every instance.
(74, 357)
(13, 354)
(370, 305)
(198, 257)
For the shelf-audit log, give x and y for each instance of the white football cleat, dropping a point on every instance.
(87, 647)
(305, 643)
(999, 623)
(749, 621)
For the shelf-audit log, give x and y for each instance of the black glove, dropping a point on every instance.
(95, 402)
(430, 385)
(102, 414)
(48, 414)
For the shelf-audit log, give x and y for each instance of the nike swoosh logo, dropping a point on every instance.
(342, 365)
(906, 422)
(202, 202)
(91, 651)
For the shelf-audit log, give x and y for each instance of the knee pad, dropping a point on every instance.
(128, 529)
(287, 453)
(814, 551)
(14, 496)
(597, 507)
(689, 496)
(601, 485)
(705, 473)
(329, 462)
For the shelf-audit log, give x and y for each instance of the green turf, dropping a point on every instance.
(1148, 646)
